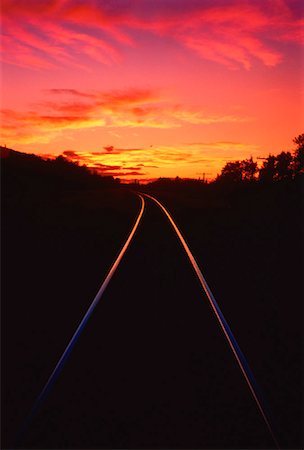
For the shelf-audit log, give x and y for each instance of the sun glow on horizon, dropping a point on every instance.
(146, 90)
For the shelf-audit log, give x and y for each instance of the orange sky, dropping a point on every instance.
(142, 89)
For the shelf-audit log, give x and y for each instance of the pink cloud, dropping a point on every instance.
(14, 52)
(232, 33)
(58, 40)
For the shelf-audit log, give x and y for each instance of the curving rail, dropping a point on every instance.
(59, 366)
(241, 360)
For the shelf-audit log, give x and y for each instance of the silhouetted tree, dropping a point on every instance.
(299, 155)
(284, 166)
(277, 168)
(238, 171)
(231, 172)
(267, 172)
(249, 169)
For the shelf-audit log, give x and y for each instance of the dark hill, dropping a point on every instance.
(27, 171)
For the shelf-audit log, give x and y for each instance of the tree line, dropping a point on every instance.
(285, 166)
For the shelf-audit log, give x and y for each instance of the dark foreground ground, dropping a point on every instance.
(152, 369)
(249, 243)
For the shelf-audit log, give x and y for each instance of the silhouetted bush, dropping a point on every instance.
(22, 171)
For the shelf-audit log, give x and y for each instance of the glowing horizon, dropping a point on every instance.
(152, 89)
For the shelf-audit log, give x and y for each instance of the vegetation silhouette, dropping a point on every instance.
(62, 227)
(30, 172)
(22, 170)
(284, 167)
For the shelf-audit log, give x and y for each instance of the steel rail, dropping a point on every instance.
(59, 366)
(241, 360)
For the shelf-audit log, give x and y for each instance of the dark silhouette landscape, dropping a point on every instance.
(152, 369)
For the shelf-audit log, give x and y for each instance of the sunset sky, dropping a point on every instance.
(148, 88)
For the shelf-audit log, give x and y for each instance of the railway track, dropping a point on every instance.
(238, 355)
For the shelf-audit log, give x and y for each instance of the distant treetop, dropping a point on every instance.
(282, 167)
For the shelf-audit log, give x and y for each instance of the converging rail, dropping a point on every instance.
(241, 360)
(59, 366)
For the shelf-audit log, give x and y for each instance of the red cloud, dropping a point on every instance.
(234, 33)
(72, 109)
(72, 92)
(105, 167)
(71, 154)
(92, 161)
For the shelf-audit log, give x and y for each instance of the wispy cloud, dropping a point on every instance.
(96, 162)
(69, 109)
(234, 33)
(147, 163)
